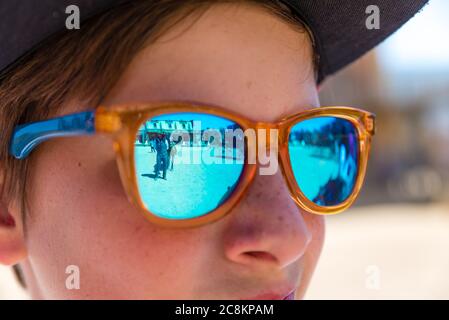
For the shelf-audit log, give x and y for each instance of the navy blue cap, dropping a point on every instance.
(338, 26)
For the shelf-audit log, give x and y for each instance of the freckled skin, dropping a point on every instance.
(237, 56)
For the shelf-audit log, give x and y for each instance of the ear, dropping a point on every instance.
(12, 240)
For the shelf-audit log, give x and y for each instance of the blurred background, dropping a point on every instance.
(394, 243)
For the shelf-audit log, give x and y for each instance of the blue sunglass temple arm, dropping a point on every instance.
(27, 136)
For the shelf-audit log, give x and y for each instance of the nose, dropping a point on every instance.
(266, 227)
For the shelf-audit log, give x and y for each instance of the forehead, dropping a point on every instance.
(240, 57)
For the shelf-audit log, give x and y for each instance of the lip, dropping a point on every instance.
(273, 296)
(290, 296)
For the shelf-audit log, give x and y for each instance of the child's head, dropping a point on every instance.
(66, 200)
(107, 99)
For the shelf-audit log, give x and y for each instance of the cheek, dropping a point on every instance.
(316, 225)
(71, 180)
(81, 216)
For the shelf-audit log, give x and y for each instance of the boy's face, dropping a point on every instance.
(239, 57)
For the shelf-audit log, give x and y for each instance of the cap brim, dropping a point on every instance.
(339, 27)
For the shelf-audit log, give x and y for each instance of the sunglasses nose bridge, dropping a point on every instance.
(267, 135)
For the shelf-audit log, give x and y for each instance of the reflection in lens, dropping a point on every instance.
(187, 164)
(324, 157)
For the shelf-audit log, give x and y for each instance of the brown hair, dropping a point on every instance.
(87, 65)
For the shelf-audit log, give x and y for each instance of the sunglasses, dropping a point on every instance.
(187, 164)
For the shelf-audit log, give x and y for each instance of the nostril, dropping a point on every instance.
(261, 255)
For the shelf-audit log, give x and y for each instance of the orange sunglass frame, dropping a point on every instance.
(123, 122)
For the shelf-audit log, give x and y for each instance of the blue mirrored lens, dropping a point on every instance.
(187, 164)
(324, 157)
